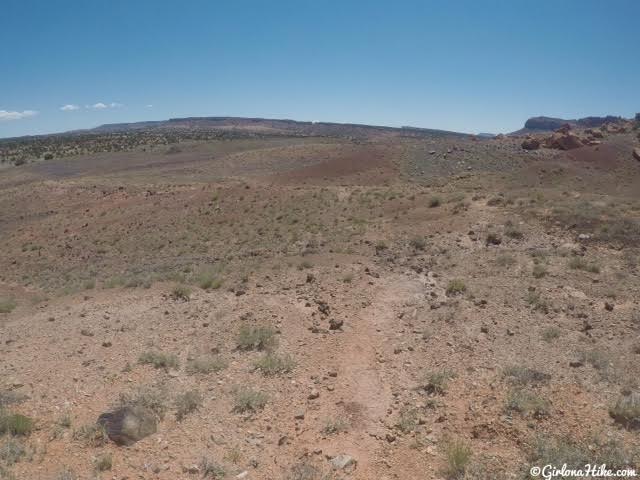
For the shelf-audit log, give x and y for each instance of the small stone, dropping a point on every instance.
(335, 324)
(608, 306)
(299, 415)
(576, 363)
(390, 438)
(244, 474)
(340, 462)
(314, 394)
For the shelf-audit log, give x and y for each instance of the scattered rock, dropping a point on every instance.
(341, 462)
(531, 144)
(313, 394)
(128, 424)
(335, 324)
(636, 154)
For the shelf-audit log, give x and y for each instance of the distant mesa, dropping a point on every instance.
(550, 124)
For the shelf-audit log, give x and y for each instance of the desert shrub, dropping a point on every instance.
(15, 424)
(626, 410)
(408, 420)
(305, 265)
(181, 292)
(92, 434)
(210, 469)
(186, 403)
(159, 360)
(579, 263)
(418, 243)
(505, 260)
(436, 382)
(206, 364)
(457, 455)
(435, 202)
(536, 302)
(152, 398)
(539, 271)
(246, 399)
(209, 279)
(493, 239)
(256, 338)
(527, 403)
(7, 305)
(513, 232)
(334, 426)
(306, 471)
(273, 364)
(551, 333)
(103, 462)
(519, 375)
(11, 451)
(456, 287)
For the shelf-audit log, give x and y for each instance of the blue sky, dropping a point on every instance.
(472, 66)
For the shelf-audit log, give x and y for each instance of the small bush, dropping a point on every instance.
(579, 263)
(539, 271)
(93, 435)
(149, 397)
(408, 420)
(103, 462)
(211, 469)
(435, 202)
(11, 451)
(305, 265)
(209, 280)
(551, 333)
(181, 292)
(418, 243)
(248, 400)
(15, 424)
(626, 411)
(457, 455)
(186, 403)
(436, 382)
(256, 338)
(536, 302)
(513, 232)
(456, 287)
(505, 260)
(335, 426)
(206, 365)
(519, 375)
(159, 360)
(7, 305)
(527, 403)
(272, 364)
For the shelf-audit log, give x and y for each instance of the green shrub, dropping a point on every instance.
(186, 403)
(7, 305)
(11, 451)
(181, 292)
(103, 462)
(527, 403)
(456, 287)
(15, 424)
(520, 375)
(626, 411)
(246, 399)
(256, 338)
(159, 360)
(211, 469)
(457, 455)
(579, 263)
(436, 382)
(539, 271)
(206, 365)
(272, 364)
(418, 243)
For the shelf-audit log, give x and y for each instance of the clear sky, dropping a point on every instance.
(465, 65)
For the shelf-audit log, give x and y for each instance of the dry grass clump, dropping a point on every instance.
(626, 410)
(103, 462)
(273, 364)
(187, 403)
(256, 338)
(211, 469)
(246, 399)
(159, 360)
(456, 287)
(457, 456)
(93, 435)
(527, 403)
(519, 375)
(7, 305)
(436, 382)
(15, 424)
(579, 263)
(206, 364)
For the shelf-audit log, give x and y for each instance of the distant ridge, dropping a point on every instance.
(549, 124)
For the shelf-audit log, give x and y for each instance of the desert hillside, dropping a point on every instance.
(272, 300)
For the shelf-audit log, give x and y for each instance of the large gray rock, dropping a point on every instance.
(128, 424)
(342, 462)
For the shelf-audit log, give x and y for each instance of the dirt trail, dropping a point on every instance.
(368, 377)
